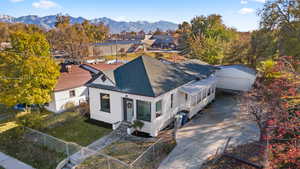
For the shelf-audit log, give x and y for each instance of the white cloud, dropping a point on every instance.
(244, 1)
(45, 4)
(245, 11)
(16, 1)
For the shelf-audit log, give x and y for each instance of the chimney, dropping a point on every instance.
(69, 68)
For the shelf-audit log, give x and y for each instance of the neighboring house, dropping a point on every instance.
(235, 77)
(164, 42)
(70, 89)
(115, 47)
(150, 91)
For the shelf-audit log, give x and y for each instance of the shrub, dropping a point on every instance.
(31, 120)
(137, 124)
(84, 109)
(69, 105)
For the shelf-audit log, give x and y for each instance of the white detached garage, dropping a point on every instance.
(235, 77)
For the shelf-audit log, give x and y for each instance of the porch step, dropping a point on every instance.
(122, 129)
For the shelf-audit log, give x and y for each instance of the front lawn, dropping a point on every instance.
(78, 131)
(24, 150)
(69, 126)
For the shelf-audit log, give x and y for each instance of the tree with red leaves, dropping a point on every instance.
(275, 104)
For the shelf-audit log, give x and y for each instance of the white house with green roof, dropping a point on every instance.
(151, 91)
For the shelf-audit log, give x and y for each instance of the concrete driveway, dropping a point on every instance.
(209, 130)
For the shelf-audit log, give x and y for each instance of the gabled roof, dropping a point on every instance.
(78, 75)
(147, 76)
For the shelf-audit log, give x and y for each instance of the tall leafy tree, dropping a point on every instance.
(75, 39)
(283, 18)
(28, 73)
(207, 39)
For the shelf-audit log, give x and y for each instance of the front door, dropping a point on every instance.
(128, 109)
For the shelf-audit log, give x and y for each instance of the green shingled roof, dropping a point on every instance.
(147, 76)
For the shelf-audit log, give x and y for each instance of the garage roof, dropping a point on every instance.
(242, 68)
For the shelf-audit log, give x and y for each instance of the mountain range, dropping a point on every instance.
(48, 22)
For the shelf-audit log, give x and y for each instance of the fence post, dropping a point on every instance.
(67, 149)
(226, 145)
(44, 140)
(108, 164)
(81, 152)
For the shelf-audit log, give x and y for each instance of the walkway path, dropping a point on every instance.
(97, 145)
(9, 162)
(204, 134)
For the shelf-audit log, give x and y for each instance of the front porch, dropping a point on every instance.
(192, 98)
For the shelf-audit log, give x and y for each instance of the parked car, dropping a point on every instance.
(22, 107)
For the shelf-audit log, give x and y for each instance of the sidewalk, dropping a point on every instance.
(9, 162)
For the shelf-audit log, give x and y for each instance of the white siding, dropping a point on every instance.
(234, 79)
(157, 123)
(100, 81)
(61, 98)
(116, 107)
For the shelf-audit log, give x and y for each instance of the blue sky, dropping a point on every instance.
(240, 14)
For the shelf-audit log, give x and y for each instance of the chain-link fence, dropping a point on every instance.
(91, 159)
(51, 142)
(102, 161)
(250, 152)
(149, 158)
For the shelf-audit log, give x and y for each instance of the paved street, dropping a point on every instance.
(9, 162)
(201, 137)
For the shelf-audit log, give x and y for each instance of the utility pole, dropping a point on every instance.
(116, 51)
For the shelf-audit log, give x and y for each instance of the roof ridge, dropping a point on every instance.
(147, 73)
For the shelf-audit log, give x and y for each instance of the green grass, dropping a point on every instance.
(69, 126)
(2, 167)
(24, 150)
(78, 131)
(55, 119)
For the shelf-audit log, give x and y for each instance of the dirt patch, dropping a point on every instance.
(252, 152)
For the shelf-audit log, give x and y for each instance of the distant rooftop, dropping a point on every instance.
(118, 42)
